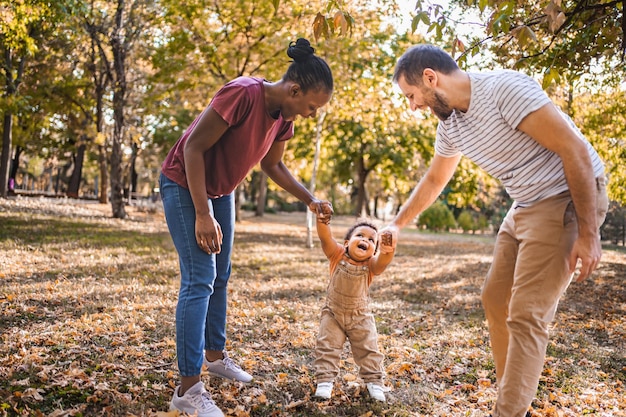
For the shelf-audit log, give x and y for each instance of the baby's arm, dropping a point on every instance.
(385, 254)
(329, 244)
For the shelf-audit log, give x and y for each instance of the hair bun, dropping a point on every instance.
(301, 50)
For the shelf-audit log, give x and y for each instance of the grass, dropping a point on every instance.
(87, 305)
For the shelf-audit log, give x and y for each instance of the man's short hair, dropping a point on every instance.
(417, 58)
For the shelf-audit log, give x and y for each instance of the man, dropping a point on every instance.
(506, 124)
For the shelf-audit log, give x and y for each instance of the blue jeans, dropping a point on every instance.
(202, 298)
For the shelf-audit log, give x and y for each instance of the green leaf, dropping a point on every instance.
(414, 23)
(552, 75)
(525, 35)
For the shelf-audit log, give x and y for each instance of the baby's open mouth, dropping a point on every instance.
(362, 246)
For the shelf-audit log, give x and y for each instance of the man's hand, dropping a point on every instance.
(393, 230)
(589, 251)
(387, 241)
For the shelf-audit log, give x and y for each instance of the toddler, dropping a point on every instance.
(346, 313)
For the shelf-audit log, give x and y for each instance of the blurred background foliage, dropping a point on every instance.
(94, 93)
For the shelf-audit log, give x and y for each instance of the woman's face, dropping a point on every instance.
(362, 243)
(303, 104)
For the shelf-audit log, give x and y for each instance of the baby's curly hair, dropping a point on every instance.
(359, 223)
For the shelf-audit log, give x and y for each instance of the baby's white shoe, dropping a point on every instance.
(376, 391)
(324, 390)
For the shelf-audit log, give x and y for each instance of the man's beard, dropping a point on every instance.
(441, 108)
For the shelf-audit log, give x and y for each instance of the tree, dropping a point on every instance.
(72, 104)
(437, 217)
(209, 44)
(97, 68)
(116, 31)
(579, 46)
(601, 117)
(614, 227)
(370, 135)
(336, 20)
(24, 27)
(371, 160)
(561, 39)
(465, 221)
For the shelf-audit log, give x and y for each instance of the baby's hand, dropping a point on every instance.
(387, 243)
(325, 212)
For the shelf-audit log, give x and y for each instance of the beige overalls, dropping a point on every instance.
(346, 314)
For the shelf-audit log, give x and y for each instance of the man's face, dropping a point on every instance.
(421, 97)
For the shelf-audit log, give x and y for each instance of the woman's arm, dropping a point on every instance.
(205, 134)
(274, 167)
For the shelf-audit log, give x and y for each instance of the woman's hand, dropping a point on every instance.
(208, 234)
(323, 210)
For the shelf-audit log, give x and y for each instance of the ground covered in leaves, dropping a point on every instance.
(87, 322)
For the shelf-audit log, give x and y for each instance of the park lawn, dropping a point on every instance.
(87, 322)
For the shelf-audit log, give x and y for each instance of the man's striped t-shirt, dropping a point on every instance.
(487, 134)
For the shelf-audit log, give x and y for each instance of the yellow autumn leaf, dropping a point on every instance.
(349, 377)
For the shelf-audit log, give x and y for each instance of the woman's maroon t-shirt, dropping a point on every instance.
(251, 133)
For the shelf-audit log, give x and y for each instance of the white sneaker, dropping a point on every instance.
(324, 390)
(376, 391)
(196, 401)
(227, 368)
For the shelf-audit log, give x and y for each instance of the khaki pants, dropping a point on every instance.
(360, 328)
(530, 272)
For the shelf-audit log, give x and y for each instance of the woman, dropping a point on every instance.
(247, 122)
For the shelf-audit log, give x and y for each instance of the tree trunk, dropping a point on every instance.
(101, 77)
(14, 167)
(132, 182)
(6, 150)
(7, 127)
(73, 187)
(260, 203)
(361, 204)
(119, 101)
(238, 203)
(623, 230)
(57, 181)
(104, 175)
(375, 208)
(316, 157)
(117, 187)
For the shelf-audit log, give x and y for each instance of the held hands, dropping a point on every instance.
(208, 234)
(388, 239)
(323, 210)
